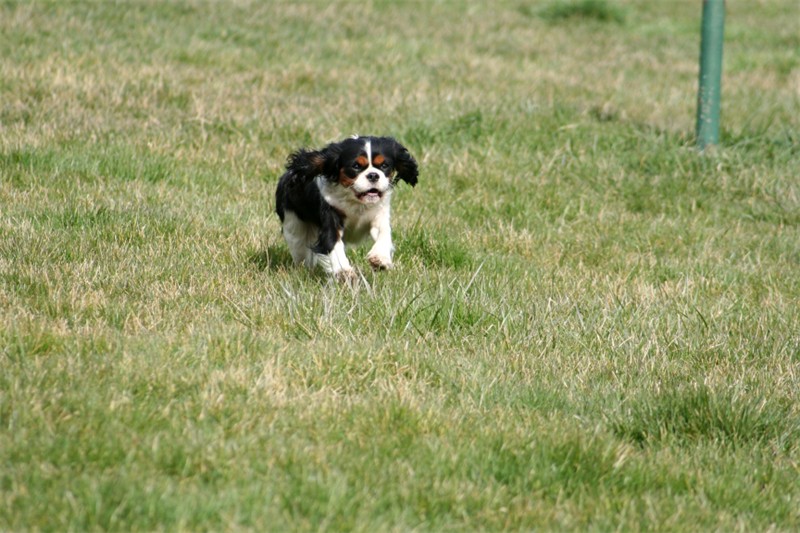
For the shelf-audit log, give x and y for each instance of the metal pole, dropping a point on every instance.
(708, 98)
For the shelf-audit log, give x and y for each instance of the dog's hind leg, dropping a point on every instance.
(300, 236)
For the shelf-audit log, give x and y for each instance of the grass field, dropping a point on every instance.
(590, 327)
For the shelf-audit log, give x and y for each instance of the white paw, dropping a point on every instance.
(380, 262)
(347, 275)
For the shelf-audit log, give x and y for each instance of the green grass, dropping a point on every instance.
(590, 326)
(599, 10)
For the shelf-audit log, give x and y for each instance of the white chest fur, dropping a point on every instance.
(360, 219)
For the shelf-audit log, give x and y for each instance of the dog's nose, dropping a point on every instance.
(373, 177)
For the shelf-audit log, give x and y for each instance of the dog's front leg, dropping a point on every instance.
(329, 248)
(335, 262)
(380, 255)
(339, 264)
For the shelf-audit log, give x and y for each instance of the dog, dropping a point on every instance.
(340, 194)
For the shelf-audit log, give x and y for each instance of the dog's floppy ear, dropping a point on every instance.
(331, 164)
(306, 164)
(405, 164)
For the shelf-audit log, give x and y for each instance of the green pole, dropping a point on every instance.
(710, 73)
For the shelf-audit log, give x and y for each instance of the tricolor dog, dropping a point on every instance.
(340, 195)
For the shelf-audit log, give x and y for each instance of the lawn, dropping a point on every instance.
(590, 326)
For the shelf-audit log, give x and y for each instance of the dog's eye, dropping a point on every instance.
(356, 165)
(384, 166)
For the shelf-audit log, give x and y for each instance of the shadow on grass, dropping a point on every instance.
(433, 247)
(577, 10)
(274, 257)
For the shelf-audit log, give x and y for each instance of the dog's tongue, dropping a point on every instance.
(372, 194)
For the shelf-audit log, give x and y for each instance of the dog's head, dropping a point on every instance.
(367, 166)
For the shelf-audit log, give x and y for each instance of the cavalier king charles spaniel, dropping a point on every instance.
(339, 195)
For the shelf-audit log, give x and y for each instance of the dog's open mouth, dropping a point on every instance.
(372, 195)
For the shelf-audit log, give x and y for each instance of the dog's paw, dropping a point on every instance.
(380, 262)
(347, 276)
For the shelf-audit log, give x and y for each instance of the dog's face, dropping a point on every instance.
(369, 166)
